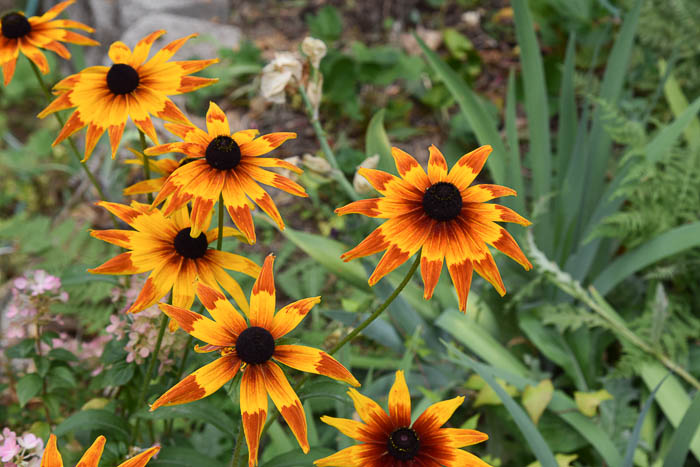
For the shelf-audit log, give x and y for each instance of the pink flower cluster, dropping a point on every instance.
(23, 451)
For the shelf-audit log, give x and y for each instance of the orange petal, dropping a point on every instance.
(270, 178)
(262, 300)
(286, 401)
(400, 401)
(437, 415)
(74, 123)
(51, 456)
(183, 288)
(390, 185)
(143, 47)
(432, 257)
(144, 186)
(379, 207)
(437, 166)
(8, 70)
(141, 459)
(485, 192)
(313, 360)
(232, 287)
(237, 206)
(467, 459)
(461, 437)
(352, 428)
(115, 136)
(371, 413)
(217, 123)
(265, 144)
(487, 269)
(93, 135)
(200, 326)
(54, 11)
(360, 455)
(159, 283)
(169, 50)
(35, 55)
(171, 113)
(119, 52)
(201, 383)
(245, 136)
(146, 126)
(291, 315)
(494, 212)
(410, 169)
(468, 167)
(122, 238)
(253, 409)
(234, 262)
(261, 198)
(120, 264)
(221, 309)
(274, 162)
(92, 456)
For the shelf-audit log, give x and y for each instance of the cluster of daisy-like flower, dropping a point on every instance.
(20, 451)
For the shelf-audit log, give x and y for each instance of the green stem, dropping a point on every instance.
(239, 443)
(71, 143)
(220, 238)
(356, 331)
(149, 371)
(330, 155)
(146, 163)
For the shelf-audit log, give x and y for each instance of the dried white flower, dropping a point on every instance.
(277, 74)
(360, 183)
(315, 49)
(317, 164)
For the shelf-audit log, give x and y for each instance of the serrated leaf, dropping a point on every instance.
(588, 402)
(536, 399)
(28, 387)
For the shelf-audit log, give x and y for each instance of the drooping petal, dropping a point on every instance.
(286, 401)
(158, 283)
(286, 319)
(51, 457)
(400, 401)
(141, 459)
(313, 360)
(92, 456)
(262, 299)
(221, 309)
(201, 383)
(200, 327)
(436, 415)
(253, 409)
(432, 257)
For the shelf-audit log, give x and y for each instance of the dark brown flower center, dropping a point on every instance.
(15, 25)
(403, 444)
(122, 79)
(255, 345)
(223, 153)
(442, 201)
(189, 247)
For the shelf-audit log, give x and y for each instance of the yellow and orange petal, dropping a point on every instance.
(153, 246)
(133, 87)
(226, 165)
(30, 35)
(439, 214)
(91, 457)
(389, 440)
(230, 335)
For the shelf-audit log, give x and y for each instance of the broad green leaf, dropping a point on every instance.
(536, 399)
(667, 244)
(327, 252)
(377, 142)
(563, 460)
(534, 439)
(687, 428)
(27, 387)
(104, 422)
(481, 122)
(588, 402)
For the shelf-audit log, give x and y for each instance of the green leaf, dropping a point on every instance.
(666, 138)
(62, 355)
(25, 348)
(61, 377)
(680, 442)
(634, 439)
(536, 399)
(566, 133)
(327, 252)
(295, 458)
(515, 174)
(28, 387)
(377, 142)
(533, 437)
(202, 410)
(119, 374)
(678, 103)
(326, 25)
(667, 244)
(457, 43)
(479, 119)
(104, 422)
(183, 457)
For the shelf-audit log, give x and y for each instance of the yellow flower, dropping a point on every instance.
(253, 347)
(391, 441)
(441, 214)
(91, 458)
(27, 35)
(163, 245)
(132, 87)
(224, 164)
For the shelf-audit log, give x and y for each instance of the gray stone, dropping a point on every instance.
(131, 11)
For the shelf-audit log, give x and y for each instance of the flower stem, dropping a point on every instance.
(357, 330)
(239, 443)
(146, 163)
(330, 155)
(220, 238)
(71, 143)
(149, 371)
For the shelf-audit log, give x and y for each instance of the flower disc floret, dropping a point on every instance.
(255, 345)
(15, 25)
(442, 201)
(403, 444)
(122, 79)
(223, 153)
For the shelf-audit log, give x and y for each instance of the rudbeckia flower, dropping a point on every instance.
(441, 214)
(91, 458)
(225, 164)
(27, 35)
(132, 87)
(164, 246)
(391, 441)
(164, 167)
(252, 347)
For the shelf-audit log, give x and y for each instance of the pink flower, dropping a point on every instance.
(9, 448)
(30, 441)
(20, 283)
